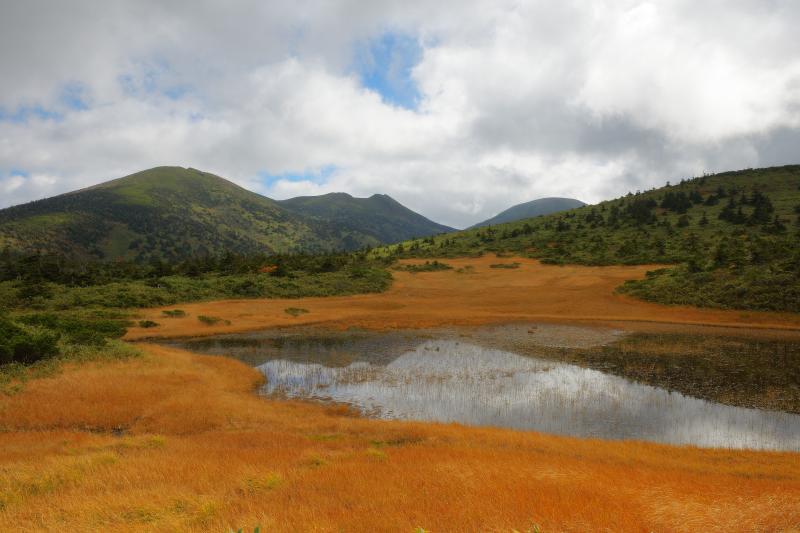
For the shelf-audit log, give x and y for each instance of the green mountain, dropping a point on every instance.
(733, 239)
(534, 208)
(379, 217)
(174, 213)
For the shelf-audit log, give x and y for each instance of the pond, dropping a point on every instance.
(444, 377)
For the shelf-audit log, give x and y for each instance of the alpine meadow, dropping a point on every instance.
(491, 267)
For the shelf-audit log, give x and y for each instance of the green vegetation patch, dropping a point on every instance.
(505, 265)
(295, 311)
(212, 320)
(427, 266)
(25, 345)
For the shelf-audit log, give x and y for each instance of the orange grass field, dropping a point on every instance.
(172, 441)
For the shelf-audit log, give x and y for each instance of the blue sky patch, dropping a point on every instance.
(19, 172)
(152, 77)
(384, 65)
(23, 114)
(317, 176)
(74, 97)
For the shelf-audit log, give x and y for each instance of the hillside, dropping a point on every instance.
(733, 238)
(174, 213)
(534, 208)
(379, 217)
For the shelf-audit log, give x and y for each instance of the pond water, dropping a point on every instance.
(450, 379)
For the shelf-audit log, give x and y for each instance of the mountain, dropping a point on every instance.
(732, 239)
(379, 216)
(173, 213)
(534, 208)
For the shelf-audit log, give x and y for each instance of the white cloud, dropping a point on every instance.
(519, 99)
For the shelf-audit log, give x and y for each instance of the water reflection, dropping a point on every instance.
(454, 381)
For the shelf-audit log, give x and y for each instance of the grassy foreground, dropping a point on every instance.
(174, 441)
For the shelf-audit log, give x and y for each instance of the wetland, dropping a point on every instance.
(582, 381)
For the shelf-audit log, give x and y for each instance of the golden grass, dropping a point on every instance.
(533, 292)
(200, 452)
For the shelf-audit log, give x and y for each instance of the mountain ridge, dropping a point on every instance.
(173, 213)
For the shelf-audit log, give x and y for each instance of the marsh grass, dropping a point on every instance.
(221, 441)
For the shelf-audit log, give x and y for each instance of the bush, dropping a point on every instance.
(77, 330)
(173, 313)
(427, 266)
(20, 346)
(504, 265)
(147, 324)
(295, 311)
(211, 320)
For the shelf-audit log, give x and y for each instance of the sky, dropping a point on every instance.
(457, 108)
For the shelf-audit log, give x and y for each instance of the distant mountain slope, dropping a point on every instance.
(534, 208)
(174, 213)
(379, 216)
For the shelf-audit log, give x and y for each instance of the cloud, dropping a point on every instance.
(457, 109)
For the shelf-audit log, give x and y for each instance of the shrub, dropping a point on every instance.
(77, 330)
(211, 320)
(173, 313)
(504, 265)
(20, 346)
(295, 311)
(427, 266)
(147, 324)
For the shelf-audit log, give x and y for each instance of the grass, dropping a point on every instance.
(295, 311)
(179, 442)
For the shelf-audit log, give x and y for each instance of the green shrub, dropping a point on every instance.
(295, 311)
(504, 265)
(211, 320)
(173, 313)
(18, 345)
(76, 330)
(427, 266)
(147, 324)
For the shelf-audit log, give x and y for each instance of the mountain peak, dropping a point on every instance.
(534, 208)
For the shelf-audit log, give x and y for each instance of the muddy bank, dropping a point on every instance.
(729, 367)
